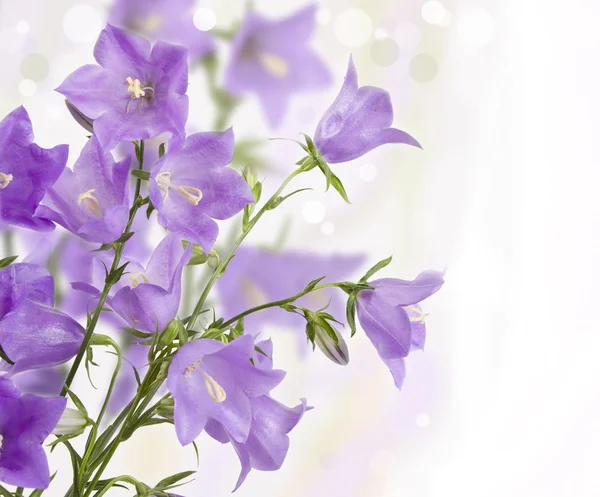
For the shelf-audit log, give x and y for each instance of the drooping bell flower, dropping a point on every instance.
(213, 381)
(267, 444)
(32, 333)
(136, 92)
(274, 60)
(257, 276)
(151, 297)
(26, 172)
(190, 187)
(25, 422)
(388, 320)
(90, 200)
(167, 20)
(358, 121)
(35, 336)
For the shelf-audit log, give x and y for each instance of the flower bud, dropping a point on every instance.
(331, 342)
(84, 121)
(71, 422)
(174, 330)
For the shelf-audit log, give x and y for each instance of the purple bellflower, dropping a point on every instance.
(257, 276)
(357, 122)
(190, 187)
(273, 59)
(25, 422)
(32, 333)
(152, 298)
(136, 92)
(210, 380)
(26, 172)
(391, 319)
(90, 200)
(267, 444)
(166, 20)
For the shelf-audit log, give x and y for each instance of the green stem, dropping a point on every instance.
(223, 264)
(277, 303)
(89, 332)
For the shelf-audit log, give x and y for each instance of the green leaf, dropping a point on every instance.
(197, 453)
(351, 313)
(8, 260)
(311, 286)
(161, 150)
(279, 200)
(168, 482)
(337, 184)
(78, 403)
(142, 175)
(377, 267)
(122, 239)
(116, 275)
(138, 333)
(198, 256)
(149, 210)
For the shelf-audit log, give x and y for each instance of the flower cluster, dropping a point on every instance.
(186, 355)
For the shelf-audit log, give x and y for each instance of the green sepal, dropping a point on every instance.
(8, 260)
(377, 267)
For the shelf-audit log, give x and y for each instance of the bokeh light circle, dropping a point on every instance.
(35, 67)
(82, 23)
(205, 19)
(385, 52)
(423, 68)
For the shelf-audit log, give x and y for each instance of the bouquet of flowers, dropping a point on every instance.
(204, 369)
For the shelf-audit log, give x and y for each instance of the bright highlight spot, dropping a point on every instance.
(423, 420)
(323, 16)
(82, 23)
(205, 19)
(314, 212)
(476, 27)
(27, 88)
(433, 12)
(353, 28)
(23, 27)
(368, 172)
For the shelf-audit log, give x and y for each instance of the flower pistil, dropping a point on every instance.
(191, 194)
(90, 202)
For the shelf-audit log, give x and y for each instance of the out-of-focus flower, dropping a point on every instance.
(274, 60)
(90, 200)
(190, 187)
(136, 356)
(357, 122)
(384, 316)
(213, 381)
(25, 422)
(257, 276)
(267, 444)
(26, 172)
(46, 382)
(167, 20)
(136, 92)
(152, 298)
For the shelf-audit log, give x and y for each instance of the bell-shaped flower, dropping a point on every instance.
(25, 422)
(171, 21)
(191, 186)
(274, 60)
(32, 333)
(136, 92)
(26, 172)
(384, 316)
(257, 276)
(267, 444)
(151, 297)
(35, 336)
(213, 381)
(90, 200)
(358, 121)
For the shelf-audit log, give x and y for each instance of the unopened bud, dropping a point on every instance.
(84, 121)
(71, 422)
(331, 343)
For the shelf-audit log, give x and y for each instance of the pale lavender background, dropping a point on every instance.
(506, 398)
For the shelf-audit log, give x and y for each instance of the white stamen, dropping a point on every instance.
(191, 194)
(215, 391)
(135, 279)
(420, 318)
(5, 179)
(276, 65)
(90, 202)
(135, 87)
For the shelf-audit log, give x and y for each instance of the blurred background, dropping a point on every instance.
(503, 96)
